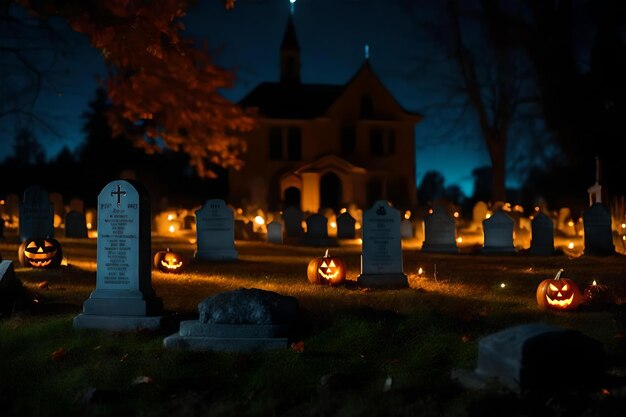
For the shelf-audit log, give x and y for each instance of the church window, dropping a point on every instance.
(382, 141)
(294, 144)
(276, 143)
(285, 143)
(367, 107)
(348, 141)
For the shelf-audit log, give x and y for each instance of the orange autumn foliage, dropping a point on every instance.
(163, 87)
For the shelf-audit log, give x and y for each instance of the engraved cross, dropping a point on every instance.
(119, 193)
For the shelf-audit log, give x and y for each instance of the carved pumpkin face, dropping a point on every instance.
(327, 270)
(168, 261)
(40, 253)
(558, 293)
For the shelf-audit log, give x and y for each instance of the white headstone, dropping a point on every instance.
(346, 226)
(498, 231)
(439, 232)
(381, 260)
(215, 232)
(123, 298)
(479, 213)
(542, 242)
(36, 215)
(598, 234)
(75, 225)
(292, 217)
(275, 232)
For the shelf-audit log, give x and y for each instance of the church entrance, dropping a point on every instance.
(292, 197)
(331, 191)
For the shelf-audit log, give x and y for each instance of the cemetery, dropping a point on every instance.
(277, 324)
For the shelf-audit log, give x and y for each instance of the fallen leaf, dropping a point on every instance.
(142, 380)
(58, 354)
(298, 346)
(387, 384)
(124, 356)
(465, 338)
(43, 285)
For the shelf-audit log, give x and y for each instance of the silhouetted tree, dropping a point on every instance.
(26, 148)
(431, 188)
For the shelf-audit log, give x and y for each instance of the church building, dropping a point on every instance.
(325, 146)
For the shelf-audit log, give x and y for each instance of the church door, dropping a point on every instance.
(331, 191)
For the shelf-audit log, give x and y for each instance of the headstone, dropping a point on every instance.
(11, 289)
(346, 226)
(317, 232)
(406, 229)
(36, 215)
(240, 320)
(381, 260)
(498, 231)
(123, 298)
(479, 213)
(57, 204)
(75, 225)
(292, 217)
(76, 204)
(189, 222)
(598, 234)
(244, 230)
(522, 358)
(439, 232)
(215, 232)
(275, 232)
(542, 240)
(12, 204)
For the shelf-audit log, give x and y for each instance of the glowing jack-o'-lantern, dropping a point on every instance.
(168, 261)
(328, 270)
(40, 253)
(558, 294)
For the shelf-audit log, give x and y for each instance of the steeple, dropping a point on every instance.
(290, 55)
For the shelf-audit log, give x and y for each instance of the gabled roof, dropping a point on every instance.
(292, 101)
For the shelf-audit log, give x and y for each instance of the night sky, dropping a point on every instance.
(404, 52)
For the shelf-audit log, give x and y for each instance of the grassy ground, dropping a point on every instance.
(365, 352)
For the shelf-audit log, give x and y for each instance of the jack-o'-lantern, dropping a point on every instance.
(168, 261)
(40, 253)
(558, 294)
(598, 295)
(327, 270)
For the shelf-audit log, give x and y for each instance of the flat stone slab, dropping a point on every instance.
(539, 356)
(117, 323)
(195, 335)
(239, 344)
(383, 281)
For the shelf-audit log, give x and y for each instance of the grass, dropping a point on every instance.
(366, 352)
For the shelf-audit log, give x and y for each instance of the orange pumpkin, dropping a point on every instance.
(170, 262)
(40, 253)
(327, 270)
(558, 294)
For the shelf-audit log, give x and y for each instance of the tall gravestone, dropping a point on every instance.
(76, 204)
(215, 232)
(57, 204)
(75, 225)
(439, 232)
(123, 298)
(598, 234)
(292, 217)
(406, 229)
(381, 260)
(479, 213)
(542, 241)
(36, 215)
(498, 232)
(346, 226)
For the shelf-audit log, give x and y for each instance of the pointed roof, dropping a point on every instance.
(290, 41)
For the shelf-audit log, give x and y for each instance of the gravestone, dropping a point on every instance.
(123, 298)
(381, 260)
(275, 232)
(346, 226)
(439, 232)
(11, 289)
(57, 204)
(189, 222)
(406, 229)
(598, 234)
(522, 358)
(12, 206)
(244, 230)
(317, 232)
(542, 240)
(76, 204)
(498, 232)
(215, 232)
(479, 213)
(36, 215)
(240, 320)
(292, 218)
(75, 225)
